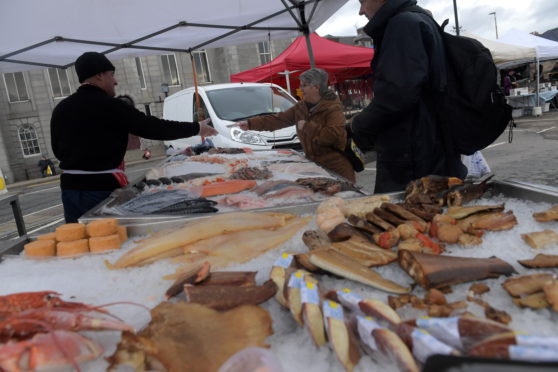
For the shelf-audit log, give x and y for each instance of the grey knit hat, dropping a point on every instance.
(92, 63)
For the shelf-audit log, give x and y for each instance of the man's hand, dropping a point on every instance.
(206, 130)
(239, 124)
(301, 124)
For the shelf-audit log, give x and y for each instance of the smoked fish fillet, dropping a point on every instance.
(198, 230)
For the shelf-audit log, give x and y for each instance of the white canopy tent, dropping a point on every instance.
(504, 54)
(53, 33)
(546, 49)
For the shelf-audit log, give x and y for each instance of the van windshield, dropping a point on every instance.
(245, 101)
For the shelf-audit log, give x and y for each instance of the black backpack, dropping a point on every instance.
(472, 109)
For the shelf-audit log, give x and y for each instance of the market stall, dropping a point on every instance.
(526, 208)
(342, 62)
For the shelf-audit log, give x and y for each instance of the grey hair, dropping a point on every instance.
(317, 77)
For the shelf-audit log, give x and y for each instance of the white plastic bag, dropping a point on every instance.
(476, 164)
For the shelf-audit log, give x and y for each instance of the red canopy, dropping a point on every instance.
(341, 61)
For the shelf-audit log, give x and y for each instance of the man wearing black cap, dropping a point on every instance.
(89, 134)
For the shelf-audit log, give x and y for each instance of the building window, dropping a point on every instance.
(265, 53)
(140, 73)
(15, 85)
(28, 140)
(59, 82)
(147, 109)
(202, 68)
(170, 71)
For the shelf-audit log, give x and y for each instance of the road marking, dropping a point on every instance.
(38, 191)
(370, 169)
(534, 120)
(42, 210)
(545, 130)
(45, 226)
(495, 144)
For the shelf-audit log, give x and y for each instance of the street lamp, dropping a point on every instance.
(456, 20)
(495, 24)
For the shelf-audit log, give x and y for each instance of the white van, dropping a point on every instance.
(229, 103)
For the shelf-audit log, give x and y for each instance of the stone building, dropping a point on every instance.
(28, 98)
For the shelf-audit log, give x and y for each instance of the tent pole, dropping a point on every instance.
(198, 105)
(306, 32)
(538, 79)
(309, 46)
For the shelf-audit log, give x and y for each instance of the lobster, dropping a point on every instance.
(39, 331)
(17, 302)
(27, 323)
(48, 351)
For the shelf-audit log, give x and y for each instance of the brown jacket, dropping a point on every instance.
(323, 137)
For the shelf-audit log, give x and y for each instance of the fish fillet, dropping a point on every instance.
(198, 230)
(225, 250)
(346, 267)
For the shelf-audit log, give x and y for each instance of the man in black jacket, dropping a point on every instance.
(400, 123)
(89, 134)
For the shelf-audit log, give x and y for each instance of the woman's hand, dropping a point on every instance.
(207, 130)
(300, 124)
(243, 124)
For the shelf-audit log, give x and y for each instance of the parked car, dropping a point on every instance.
(229, 103)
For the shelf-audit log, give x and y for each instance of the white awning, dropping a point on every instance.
(53, 33)
(546, 49)
(505, 54)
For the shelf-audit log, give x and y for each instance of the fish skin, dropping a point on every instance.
(346, 267)
(148, 202)
(437, 271)
(226, 297)
(199, 205)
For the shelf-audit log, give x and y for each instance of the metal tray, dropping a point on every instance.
(172, 220)
(142, 225)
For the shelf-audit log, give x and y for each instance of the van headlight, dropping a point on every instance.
(249, 137)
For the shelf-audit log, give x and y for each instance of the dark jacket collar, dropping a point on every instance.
(376, 25)
(90, 87)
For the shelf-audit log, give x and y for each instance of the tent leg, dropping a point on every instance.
(309, 46)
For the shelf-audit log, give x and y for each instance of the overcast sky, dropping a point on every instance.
(473, 16)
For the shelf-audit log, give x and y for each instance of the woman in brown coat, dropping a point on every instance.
(320, 123)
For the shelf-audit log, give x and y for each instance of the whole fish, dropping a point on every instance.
(461, 194)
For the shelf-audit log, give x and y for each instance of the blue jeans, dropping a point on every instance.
(78, 202)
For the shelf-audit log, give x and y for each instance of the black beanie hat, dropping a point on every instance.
(92, 63)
